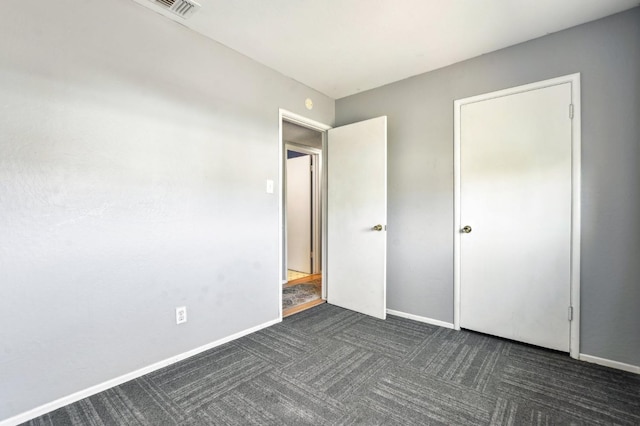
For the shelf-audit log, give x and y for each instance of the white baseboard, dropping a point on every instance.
(77, 396)
(583, 357)
(420, 319)
(610, 363)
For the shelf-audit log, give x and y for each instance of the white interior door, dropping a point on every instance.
(516, 195)
(299, 213)
(356, 204)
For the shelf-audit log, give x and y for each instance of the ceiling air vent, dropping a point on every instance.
(182, 8)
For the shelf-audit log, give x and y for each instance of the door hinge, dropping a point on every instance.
(570, 313)
(311, 255)
(571, 111)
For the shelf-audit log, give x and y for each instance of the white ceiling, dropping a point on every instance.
(341, 47)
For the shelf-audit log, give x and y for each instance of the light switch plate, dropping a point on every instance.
(269, 186)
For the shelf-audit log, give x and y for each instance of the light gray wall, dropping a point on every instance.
(420, 114)
(301, 135)
(133, 161)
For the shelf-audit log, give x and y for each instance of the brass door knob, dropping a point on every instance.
(377, 228)
(466, 229)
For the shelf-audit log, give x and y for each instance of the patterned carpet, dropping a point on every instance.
(330, 366)
(298, 294)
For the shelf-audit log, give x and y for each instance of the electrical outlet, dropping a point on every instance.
(181, 314)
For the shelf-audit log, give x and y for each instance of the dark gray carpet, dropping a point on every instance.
(330, 366)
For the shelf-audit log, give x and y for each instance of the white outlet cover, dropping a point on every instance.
(181, 314)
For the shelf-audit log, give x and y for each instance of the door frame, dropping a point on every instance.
(574, 108)
(316, 202)
(300, 120)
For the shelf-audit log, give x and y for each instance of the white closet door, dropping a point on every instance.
(515, 195)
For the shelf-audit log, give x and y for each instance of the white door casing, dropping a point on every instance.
(298, 181)
(517, 187)
(356, 203)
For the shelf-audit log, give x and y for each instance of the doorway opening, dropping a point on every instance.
(352, 216)
(302, 218)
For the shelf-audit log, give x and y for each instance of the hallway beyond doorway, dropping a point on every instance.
(301, 294)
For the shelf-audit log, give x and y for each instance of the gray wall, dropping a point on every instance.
(301, 135)
(420, 111)
(133, 161)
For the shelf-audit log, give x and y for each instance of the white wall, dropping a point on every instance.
(133, 160)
